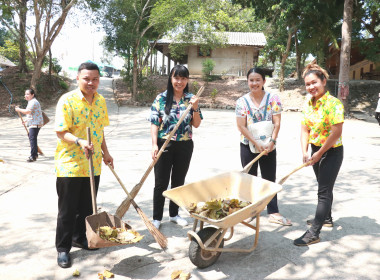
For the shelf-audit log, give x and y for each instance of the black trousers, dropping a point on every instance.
(74, 205)
(172, 165)
(33, 133)
(268, 165)
(326, 171)
(377, 116)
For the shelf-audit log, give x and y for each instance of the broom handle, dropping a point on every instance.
(27, 132)
(22, 120)
(249, 165)
(122, 185)
(92, 179)
(136, 189)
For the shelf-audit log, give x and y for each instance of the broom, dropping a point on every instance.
(158, 236)
(124, 206)
(27, 132)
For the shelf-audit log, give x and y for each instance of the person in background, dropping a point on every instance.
(321, 129)
(377, 113)
(76, 110)
(174, 162)
(256, 106)
(34, 121)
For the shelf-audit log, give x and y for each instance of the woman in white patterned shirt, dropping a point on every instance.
(34, 121)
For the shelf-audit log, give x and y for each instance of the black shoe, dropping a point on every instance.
(82, 245)
(307, 238)
(64, 259)
(31, 159)
(327, 223)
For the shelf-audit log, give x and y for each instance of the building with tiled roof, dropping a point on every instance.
(240, 53)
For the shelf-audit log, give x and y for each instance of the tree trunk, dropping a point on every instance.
(50, 64)
(298, 58)
(22, 25)
(50, 57)
(284, 57)
(135, 74)
(345, 52)
(36, 72)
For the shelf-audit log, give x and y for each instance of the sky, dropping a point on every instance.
(79, 42)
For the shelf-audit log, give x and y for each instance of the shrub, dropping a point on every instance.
(213, 94)
(63, 84)
(195, 86)
(207, 66)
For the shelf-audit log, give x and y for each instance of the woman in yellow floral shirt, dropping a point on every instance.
(322, 124)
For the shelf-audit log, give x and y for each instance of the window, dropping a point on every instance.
(204, 53)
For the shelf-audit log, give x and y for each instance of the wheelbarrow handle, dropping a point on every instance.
(249, 165)
(293, 171)
(92, 179)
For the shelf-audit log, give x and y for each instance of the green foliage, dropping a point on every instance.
(63, 84)
(207, 66)
(10, 50)
(195, 86)
(56, 67)
(147, 90)
(186, 22)
(213, 94)
(3, 36)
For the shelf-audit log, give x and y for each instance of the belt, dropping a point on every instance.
(35, 126)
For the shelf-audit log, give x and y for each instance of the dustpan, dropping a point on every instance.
(97, 220)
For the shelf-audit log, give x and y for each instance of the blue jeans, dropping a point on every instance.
(326, 171)
(33, 133)
(268, 165)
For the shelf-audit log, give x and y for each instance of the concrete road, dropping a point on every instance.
(350, 250)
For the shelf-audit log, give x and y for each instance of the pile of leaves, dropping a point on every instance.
(119, 235)
(217, 208)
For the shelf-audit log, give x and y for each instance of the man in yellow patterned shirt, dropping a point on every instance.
(77, 110)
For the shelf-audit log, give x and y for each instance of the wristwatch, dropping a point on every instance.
(274, 141)
(197, 110)
(77, 141)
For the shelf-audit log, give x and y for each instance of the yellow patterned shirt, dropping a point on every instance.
(327, 112)
(74, 114)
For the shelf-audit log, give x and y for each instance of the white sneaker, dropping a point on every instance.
(178, 220)
(156, 224)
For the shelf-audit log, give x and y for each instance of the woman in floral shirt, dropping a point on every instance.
(322, 124)
(174, 162)
(254, 107)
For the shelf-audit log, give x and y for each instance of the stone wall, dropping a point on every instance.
(363, 94)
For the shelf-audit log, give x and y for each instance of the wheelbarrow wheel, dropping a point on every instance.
(203, 258)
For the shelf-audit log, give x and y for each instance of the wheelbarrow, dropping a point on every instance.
(207, 244)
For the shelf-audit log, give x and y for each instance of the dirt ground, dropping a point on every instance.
(48, 91)
(228, 90)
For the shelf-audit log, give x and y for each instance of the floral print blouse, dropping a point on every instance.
(74, 114)
(35, 117)
(242, 111)
(327, 112)
(166, 123)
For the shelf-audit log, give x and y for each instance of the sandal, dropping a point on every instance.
(279, 220)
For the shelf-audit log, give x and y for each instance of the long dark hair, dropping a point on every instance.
(181, 71)
(257, 70)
